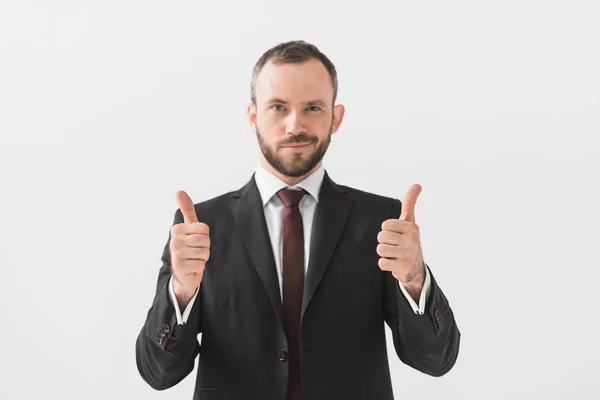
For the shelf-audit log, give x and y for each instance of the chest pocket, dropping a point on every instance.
(356, 249)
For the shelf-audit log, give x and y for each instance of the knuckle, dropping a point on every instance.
(174, 250)
(201, 252)
(383, 250)
(383, 264)
(201, 266)
(200, 240)
(192, 266)
(205, 227)
(178, 229)
(200, 227)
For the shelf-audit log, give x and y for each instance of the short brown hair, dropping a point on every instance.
(295, 51)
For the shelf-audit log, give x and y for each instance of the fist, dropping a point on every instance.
(400, 243)
(189, 247)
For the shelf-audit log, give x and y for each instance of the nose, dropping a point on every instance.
(294, 124)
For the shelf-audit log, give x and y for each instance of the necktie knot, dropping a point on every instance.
(291, 197)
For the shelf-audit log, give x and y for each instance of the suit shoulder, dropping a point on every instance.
(208, 208)
(217, 201)
(370, 198)
(369, 203)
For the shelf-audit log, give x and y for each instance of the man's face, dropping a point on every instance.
(294, 117)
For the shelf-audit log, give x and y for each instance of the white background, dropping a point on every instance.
(108, 107)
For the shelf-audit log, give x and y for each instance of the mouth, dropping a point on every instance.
(297, 145)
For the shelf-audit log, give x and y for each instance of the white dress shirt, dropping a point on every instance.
(268, 186)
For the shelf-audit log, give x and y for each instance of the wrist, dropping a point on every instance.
(415, 282)
(183, 294)
(414, 278)
(414, 289)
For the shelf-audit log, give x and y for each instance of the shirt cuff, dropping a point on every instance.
(418, 309)
(181, 318)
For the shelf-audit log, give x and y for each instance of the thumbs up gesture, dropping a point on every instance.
(400, 244)
(190, 250)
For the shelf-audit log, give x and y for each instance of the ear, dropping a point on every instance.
(251, 113)
(338, 116)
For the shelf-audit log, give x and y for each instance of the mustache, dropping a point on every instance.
(299, 139)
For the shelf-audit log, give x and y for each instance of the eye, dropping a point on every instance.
(277, 107)
(314, 108)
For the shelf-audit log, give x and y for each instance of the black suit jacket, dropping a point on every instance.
(347, 301)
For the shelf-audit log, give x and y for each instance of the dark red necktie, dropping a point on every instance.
(293, 283)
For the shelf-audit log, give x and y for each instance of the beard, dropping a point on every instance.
(296, 166)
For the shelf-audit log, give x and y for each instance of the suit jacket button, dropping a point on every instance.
(439, 318)
(283, 355)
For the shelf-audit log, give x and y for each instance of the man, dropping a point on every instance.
(292, 278)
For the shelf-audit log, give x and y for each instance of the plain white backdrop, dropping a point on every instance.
(107, 108)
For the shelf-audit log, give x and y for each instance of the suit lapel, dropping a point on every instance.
(248, 213)
(330, 219)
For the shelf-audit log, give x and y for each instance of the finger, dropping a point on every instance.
(193, 253)
(387, 251)
(408, 203)
(186, 206)
(389, 237)
(385, 264)
(196, 240)
(398, 226)
(392, 252)
(189, 229)
(188, 267)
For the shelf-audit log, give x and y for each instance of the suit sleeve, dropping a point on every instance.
(165, 350)
(418, 308)
(428, 342)
(181, 318)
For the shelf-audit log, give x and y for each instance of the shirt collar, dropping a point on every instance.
(268, 184)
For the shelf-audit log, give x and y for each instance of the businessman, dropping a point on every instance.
(292, 278)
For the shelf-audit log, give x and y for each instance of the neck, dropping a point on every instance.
(290, 180)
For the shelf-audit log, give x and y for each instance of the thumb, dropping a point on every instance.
(186, 206)
(408, 203)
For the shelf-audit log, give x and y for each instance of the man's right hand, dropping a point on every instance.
(190, 250)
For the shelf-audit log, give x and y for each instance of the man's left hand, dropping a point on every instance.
(400, 245)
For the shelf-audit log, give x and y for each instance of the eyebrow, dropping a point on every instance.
(308, 103)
